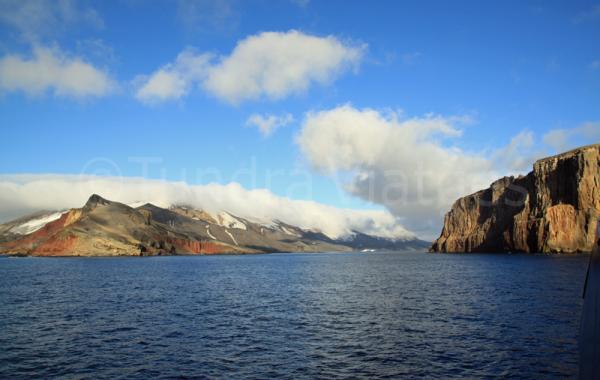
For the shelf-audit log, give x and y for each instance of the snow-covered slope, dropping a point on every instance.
(35, 224)
(227, 220)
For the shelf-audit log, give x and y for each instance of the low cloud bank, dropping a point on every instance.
(22, 194)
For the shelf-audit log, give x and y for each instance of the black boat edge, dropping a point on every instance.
(589, 334)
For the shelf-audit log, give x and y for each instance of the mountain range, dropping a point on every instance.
(107, 228)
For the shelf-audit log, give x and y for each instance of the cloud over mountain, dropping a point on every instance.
(20, 194)
(401, 164)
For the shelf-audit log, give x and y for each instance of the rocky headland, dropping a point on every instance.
(553, 209)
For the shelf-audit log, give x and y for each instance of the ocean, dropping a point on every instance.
(328, 315)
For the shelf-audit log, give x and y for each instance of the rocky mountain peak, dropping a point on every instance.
(94, 201)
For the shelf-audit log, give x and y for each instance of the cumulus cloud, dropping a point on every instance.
(403, 165)
(269, 65)
(48, 69)
(20, 194)
(173, 80)
(267, 124)
(568, 138)
(276, 64)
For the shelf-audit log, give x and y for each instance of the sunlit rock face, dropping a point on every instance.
(554, 208)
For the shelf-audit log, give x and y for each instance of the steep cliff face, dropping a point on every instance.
(552, 209)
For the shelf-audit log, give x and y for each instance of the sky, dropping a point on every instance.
(333, 115)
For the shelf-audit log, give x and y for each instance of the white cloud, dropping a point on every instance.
(269, 65)
(274, 65)
(20, 194)
(403, 165)
(34, 19)
(595, 65)
(50, 70)
(173, 80)
(563, 139)
(267, 124)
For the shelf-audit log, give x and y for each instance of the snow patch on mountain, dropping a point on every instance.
(231, 236)
(33, 225)
(227, 220)
(208, 232)
(288, 231)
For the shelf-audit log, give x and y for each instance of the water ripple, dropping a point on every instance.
(291, 316)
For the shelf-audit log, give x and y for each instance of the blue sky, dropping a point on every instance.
(494, 71)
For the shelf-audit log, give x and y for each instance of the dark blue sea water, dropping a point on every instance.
(397, 315)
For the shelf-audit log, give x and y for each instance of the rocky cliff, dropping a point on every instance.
(554, 208)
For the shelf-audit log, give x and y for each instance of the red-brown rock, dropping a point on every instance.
(554, 208)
